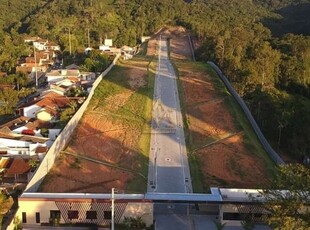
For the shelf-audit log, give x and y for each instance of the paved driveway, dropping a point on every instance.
(168, 166)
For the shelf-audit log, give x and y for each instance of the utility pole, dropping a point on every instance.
(88, 38)
(112, 209)
(159, 52)
(69, 41)
(35, 65)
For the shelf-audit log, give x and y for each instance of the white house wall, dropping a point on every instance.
(54, 79)
(13, 143)
(30, 111)
(31, 207)
(122, 209)
(17, 147)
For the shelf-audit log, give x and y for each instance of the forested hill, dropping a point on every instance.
(270, 73)
(13, 11)
(277, 4)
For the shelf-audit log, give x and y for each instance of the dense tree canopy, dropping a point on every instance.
(270, 73)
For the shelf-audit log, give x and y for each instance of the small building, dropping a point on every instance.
(16, 170)
(52, 102)
(108, 42)
(52, 209)
(104, 48)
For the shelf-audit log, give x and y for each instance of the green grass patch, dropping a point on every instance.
(112, 84)
(196, 174)
(143, 96)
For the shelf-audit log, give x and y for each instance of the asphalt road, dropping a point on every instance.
(168, 166)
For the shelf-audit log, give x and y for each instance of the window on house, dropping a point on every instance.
(73, 214)
(37, 217)
(107, 215)
(24, 217)
(91, 215)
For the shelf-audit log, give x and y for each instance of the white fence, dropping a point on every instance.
(63, 138)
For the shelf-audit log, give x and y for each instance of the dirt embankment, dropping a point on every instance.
(105, 133)
(217, 141)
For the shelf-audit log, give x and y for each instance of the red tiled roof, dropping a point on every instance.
(54, 102)
(18, 166)
(74, 79)
(38, 124)
(41, 149)
(5, 132)
(16, 122)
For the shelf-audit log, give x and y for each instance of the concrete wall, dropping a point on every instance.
(63, 138)
(44, 206)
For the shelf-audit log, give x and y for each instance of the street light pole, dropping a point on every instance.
(112, 207)
(70, 41)
(35, 64)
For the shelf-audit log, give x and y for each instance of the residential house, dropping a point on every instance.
(12, 143)
(58, 75)
(16, 170)
(72, 66)
(31, 39)
(53, 46)
(36, 127)
(55, 89)
(104, 48)
(88, 76)
(41, 44)
(39, 62)
(50, 103)
(108, 42)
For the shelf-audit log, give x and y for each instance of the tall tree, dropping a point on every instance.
(289, 198)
